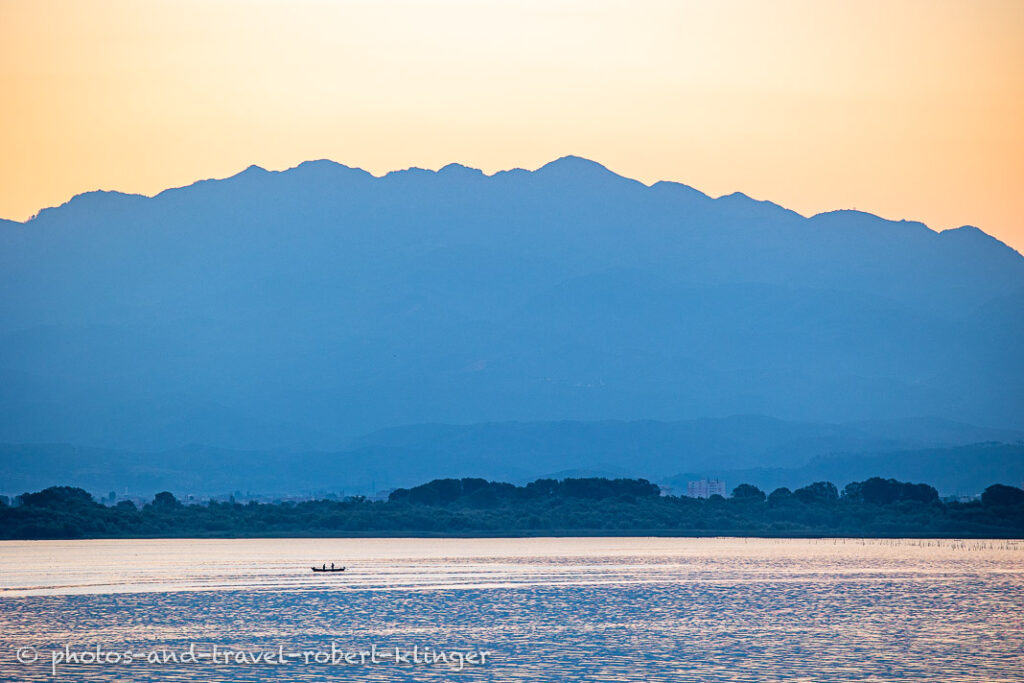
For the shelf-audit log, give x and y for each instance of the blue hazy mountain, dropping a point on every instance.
(956, 457)
(299, 309)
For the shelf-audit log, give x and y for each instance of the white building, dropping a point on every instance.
(705, 488)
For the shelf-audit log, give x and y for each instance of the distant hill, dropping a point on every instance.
(657, 449)
(295, 310)
(737, 449)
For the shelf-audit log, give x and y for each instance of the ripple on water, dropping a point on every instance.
(548, 609)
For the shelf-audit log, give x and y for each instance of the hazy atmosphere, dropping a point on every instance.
(642, 342)
(509, 240)
(306, 310)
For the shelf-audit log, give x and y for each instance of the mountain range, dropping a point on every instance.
(297, 310)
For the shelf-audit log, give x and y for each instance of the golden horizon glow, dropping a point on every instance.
(907, 109)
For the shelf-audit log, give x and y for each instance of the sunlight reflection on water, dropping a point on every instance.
(644, 609)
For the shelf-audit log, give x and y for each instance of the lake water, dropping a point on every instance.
(596, 609)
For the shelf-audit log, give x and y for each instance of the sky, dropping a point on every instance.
(905, 108)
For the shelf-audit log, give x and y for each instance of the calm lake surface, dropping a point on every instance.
(598, 609)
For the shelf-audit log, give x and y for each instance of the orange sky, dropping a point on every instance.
(908, 109)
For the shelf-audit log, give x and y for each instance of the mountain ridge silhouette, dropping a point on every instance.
(573, 162)
(317, 303)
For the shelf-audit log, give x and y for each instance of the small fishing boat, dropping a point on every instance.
(325, 568)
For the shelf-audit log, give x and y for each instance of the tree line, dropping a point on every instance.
(875, 507)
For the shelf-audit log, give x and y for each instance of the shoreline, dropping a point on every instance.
(547, 533)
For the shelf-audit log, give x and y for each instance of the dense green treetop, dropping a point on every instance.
(589, 506)
(998, 494)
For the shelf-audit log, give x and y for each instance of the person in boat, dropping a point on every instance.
(325, 566)
(332, 566)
